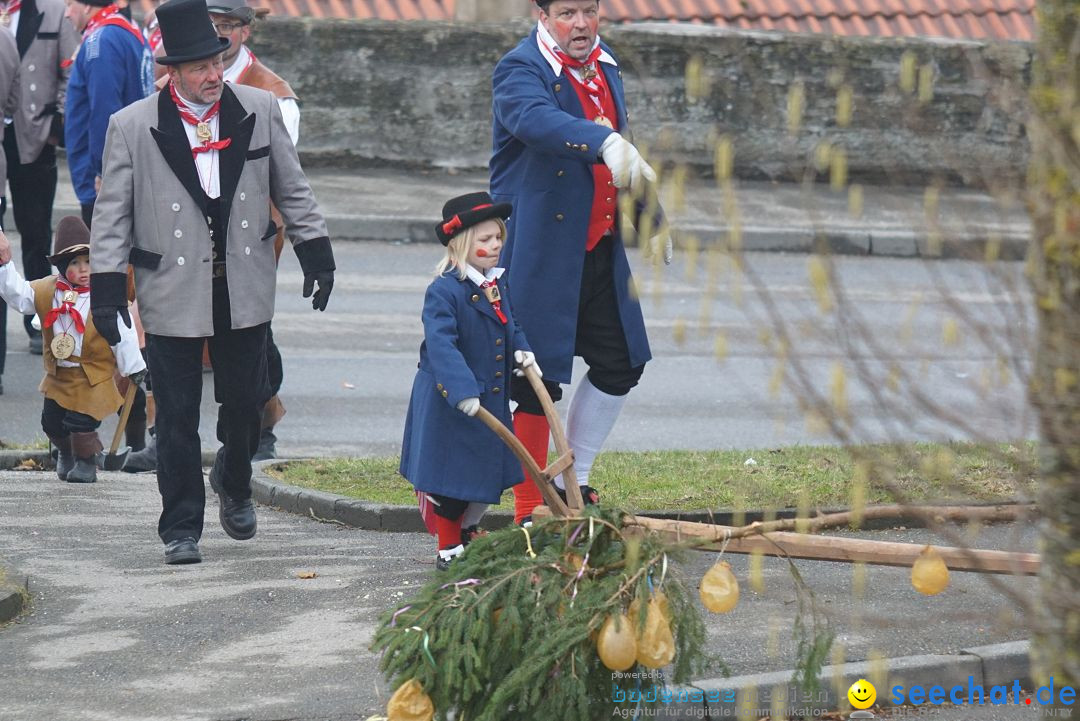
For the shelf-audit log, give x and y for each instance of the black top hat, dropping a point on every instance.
(187, 33)
(467, 210)
(72, 238)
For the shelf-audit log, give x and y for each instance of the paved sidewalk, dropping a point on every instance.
(115, 634)
(403, 205)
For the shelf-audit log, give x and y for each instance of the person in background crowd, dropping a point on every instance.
(562, 157)
(112, 69)
(188, 178)
(9, 78)
(79, 363)
(34, 126)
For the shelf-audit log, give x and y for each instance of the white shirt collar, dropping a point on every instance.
(479, 278)
(545, 41)
(199, 110)
(239, 64)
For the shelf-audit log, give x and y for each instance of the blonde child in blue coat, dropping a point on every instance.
(471, 346)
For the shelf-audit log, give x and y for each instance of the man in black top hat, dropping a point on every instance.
(189, 176)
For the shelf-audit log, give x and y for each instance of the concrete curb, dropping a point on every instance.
(14, 592)
(12, 458)
(384, 517)
(986, 666)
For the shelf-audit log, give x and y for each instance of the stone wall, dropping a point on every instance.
(419, 94)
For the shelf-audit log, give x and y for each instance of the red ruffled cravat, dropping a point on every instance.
(191, 119)
(67, 308)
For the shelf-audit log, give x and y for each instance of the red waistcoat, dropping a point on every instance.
(602, 217)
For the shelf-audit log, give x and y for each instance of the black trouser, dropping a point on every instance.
(33, 190)
(240, 387)
(600, 338)
(58, 421)
(273, 363)
(3, 305)
(87, 212)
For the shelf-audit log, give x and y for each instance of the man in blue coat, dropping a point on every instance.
(112, 69)
(561, 157)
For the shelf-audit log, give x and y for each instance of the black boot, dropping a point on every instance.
(65, 458)
(84, 446)
(135, 434)
(144, 460)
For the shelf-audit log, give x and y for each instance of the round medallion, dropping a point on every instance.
(70, 296)
(62, 346)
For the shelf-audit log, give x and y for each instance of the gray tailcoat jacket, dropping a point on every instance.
(150, 212)
(9, 90)
(45, 39)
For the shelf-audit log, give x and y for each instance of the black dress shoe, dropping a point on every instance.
(182, 550)
(237, 517)
(589, 495)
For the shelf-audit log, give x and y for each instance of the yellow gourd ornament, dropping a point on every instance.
(655, 645)
(719, 589)
(410, 703)
(929, 575)
(616, 645)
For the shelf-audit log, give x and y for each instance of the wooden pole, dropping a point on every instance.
(750, 539)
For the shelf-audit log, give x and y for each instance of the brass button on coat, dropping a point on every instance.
(499, 357)
(498, 374)
(559, 216)
(445, 394)
(560, 173)
(584, 148)
(496, 389)
(439, 386)
(474, 298)
(558, 87)
(498, 341)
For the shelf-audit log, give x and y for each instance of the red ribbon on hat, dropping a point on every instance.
(454, 224)
(67, 308)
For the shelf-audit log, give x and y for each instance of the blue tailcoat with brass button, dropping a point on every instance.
(544, 150)
(467, 352)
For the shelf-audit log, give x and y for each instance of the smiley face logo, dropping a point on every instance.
(862, 694)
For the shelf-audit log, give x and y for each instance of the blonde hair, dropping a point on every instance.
(456, 256)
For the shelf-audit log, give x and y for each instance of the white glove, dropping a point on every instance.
(661, 242)
(469, 406)
(628, 168)
(524, 359)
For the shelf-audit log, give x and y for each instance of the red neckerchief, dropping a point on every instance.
(496, 303)
(67, 308)
(191, 119)
(110, 15)
(12, 8)
(592, 78)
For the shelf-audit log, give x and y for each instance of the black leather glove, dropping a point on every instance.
(325, 279)
(138, 377)
(105, 322)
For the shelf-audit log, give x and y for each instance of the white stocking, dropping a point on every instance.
(473, 513)
(592, 416)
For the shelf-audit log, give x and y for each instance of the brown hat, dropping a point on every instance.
(72, 238)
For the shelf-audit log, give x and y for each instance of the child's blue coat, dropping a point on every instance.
(466, 352)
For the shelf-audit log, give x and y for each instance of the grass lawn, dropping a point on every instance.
(804, 476)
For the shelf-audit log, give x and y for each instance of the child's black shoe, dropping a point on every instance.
(589, 495)
(470, 534)
(446, 556)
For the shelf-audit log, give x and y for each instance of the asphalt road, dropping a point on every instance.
(116, 635)
(348, 371)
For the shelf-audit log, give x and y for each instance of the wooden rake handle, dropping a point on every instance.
(129, 399)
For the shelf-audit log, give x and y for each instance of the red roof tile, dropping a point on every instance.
(976, 19)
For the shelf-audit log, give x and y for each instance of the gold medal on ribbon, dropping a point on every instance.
(62, 346)
(70, 296)
(588, 73)
(602, 120)
(492, 293)
(202, 132)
